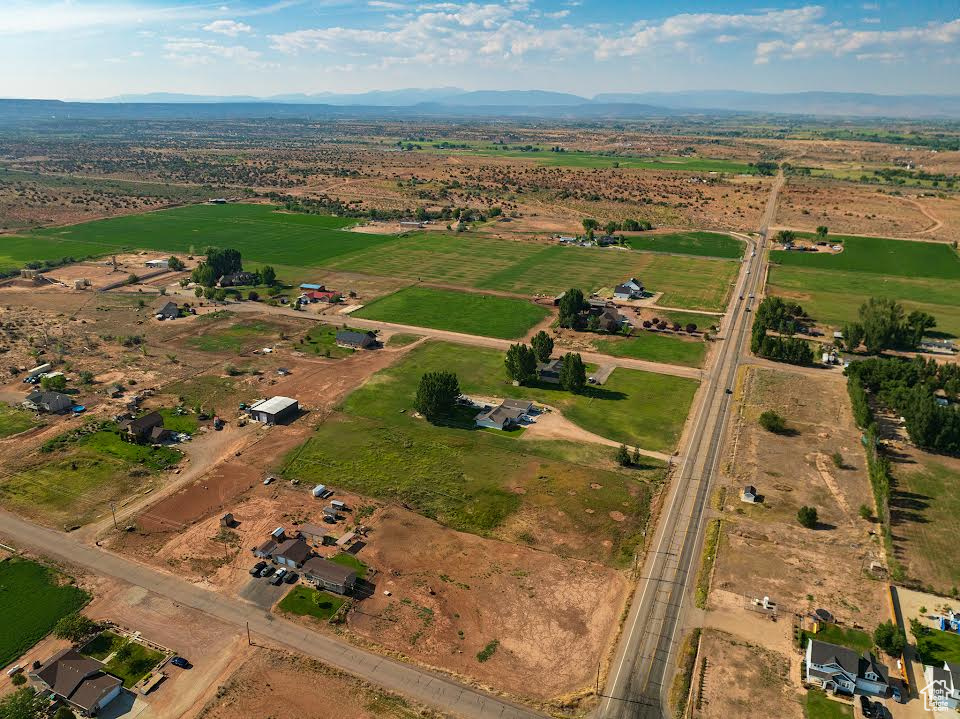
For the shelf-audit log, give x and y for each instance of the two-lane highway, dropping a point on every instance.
(644, 662)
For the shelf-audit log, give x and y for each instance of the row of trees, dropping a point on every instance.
(592, 225)
(909, 387)
(773, 314)
(219, 262)
(884, 324)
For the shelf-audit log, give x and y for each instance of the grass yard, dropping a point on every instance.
(75, 481)
(345, 559)
(322, 340)
(834, 297)
(468, 312)
(179, 422)
(14, 420)
(879, 256)
(402, 339)
(526, 268)
(234, 338)
(925, 512)
(103, 645)
(819, 706)
(307, 601)
(656, 347)
(207, 391)
(851, 638)
(258, 231)
(132, 661)
(32, 599)
(938, 647)
(475, 481)
(705, 244)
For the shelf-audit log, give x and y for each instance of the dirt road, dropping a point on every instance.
(420, 685)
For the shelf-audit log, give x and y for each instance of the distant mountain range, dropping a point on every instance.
(545, 103)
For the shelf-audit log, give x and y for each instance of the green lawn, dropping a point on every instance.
(938, 647)
(656, 347)
(345, 559)
(234, 336)
(103, 645)
(820, 706)
(705, 244)
(307, 601)
(32, 599)
(402, 339)
(469, 312)
(179, 422)
(848, 637)
(925, 512)
(322, 340)
(76, 480)
(258, 231)
(132, 662)
(207, 390)
(14, 420)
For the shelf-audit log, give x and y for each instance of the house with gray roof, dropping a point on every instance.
(507, 414)
(943, 684)
(329, 575)
(42, 401)
(839, 670)
(632, 289)
(79, 681)
(356, 340)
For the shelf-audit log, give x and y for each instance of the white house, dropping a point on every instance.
(749, 495)
(632, 289)
(942, 685)
(842, 671)
(507, 414)
(158, 264)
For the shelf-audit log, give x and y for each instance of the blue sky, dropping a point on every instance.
(98, 48)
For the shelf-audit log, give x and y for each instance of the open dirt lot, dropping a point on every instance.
(743, 680)
(279, 685)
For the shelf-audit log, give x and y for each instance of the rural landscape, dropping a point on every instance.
(477, 404)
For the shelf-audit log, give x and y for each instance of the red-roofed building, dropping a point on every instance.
(323, 296)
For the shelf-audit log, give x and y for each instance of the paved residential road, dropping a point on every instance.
(644, 662)
(417, 684)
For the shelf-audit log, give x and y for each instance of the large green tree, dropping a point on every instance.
(521, 363)
(573, 373)
(890, 638)
(224, 261)
(23, 704)
(268, 275)
(437, 394)
(571, 305)
(542, 344)
(74, 627)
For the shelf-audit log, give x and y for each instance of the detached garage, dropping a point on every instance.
(274, 410)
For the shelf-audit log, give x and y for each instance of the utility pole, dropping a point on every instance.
(249, 641)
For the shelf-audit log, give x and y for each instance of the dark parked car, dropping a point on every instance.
(257, 568)
(180, 662)
(290, 577)
(866, 708)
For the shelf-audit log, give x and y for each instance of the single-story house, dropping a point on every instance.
(356, 340)
(158, 264)
(942, 685)
(749, 495)
(632, 289)
(236, 278)
(597, 305)
(148, 428)
(291, 553)
(550, 371)
(79, 681)
(323, 296)
(606, 240)
(169, 311)
(312, 532)
(611, 320)
(328, 575)
(507, 414)
(842, 671)
(273, 410)
(40, 400)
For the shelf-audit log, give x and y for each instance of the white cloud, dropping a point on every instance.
(230, 28)
(386, 5)
(187, 51)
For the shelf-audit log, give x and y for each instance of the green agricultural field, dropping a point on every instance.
(32, 599)
(225, 335)
(468, 312)
(879, 256)
(655, 347)
(925, 511)
(307, 601)
(527, 268)
(473, 480)
(833, 297)
(14, 420)
(259, 231)
(75, 476)
(704, 244)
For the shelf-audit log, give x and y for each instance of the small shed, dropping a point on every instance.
(346, 539)
(158, 264)
(227, 520)
(312, 532)
(274, 410)
(749, 495)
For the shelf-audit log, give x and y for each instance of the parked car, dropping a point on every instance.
(278, 578)
(897, 696)
(257, 568)
(180, 662)
(866, 707)
(290, 577)
(266, 571)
